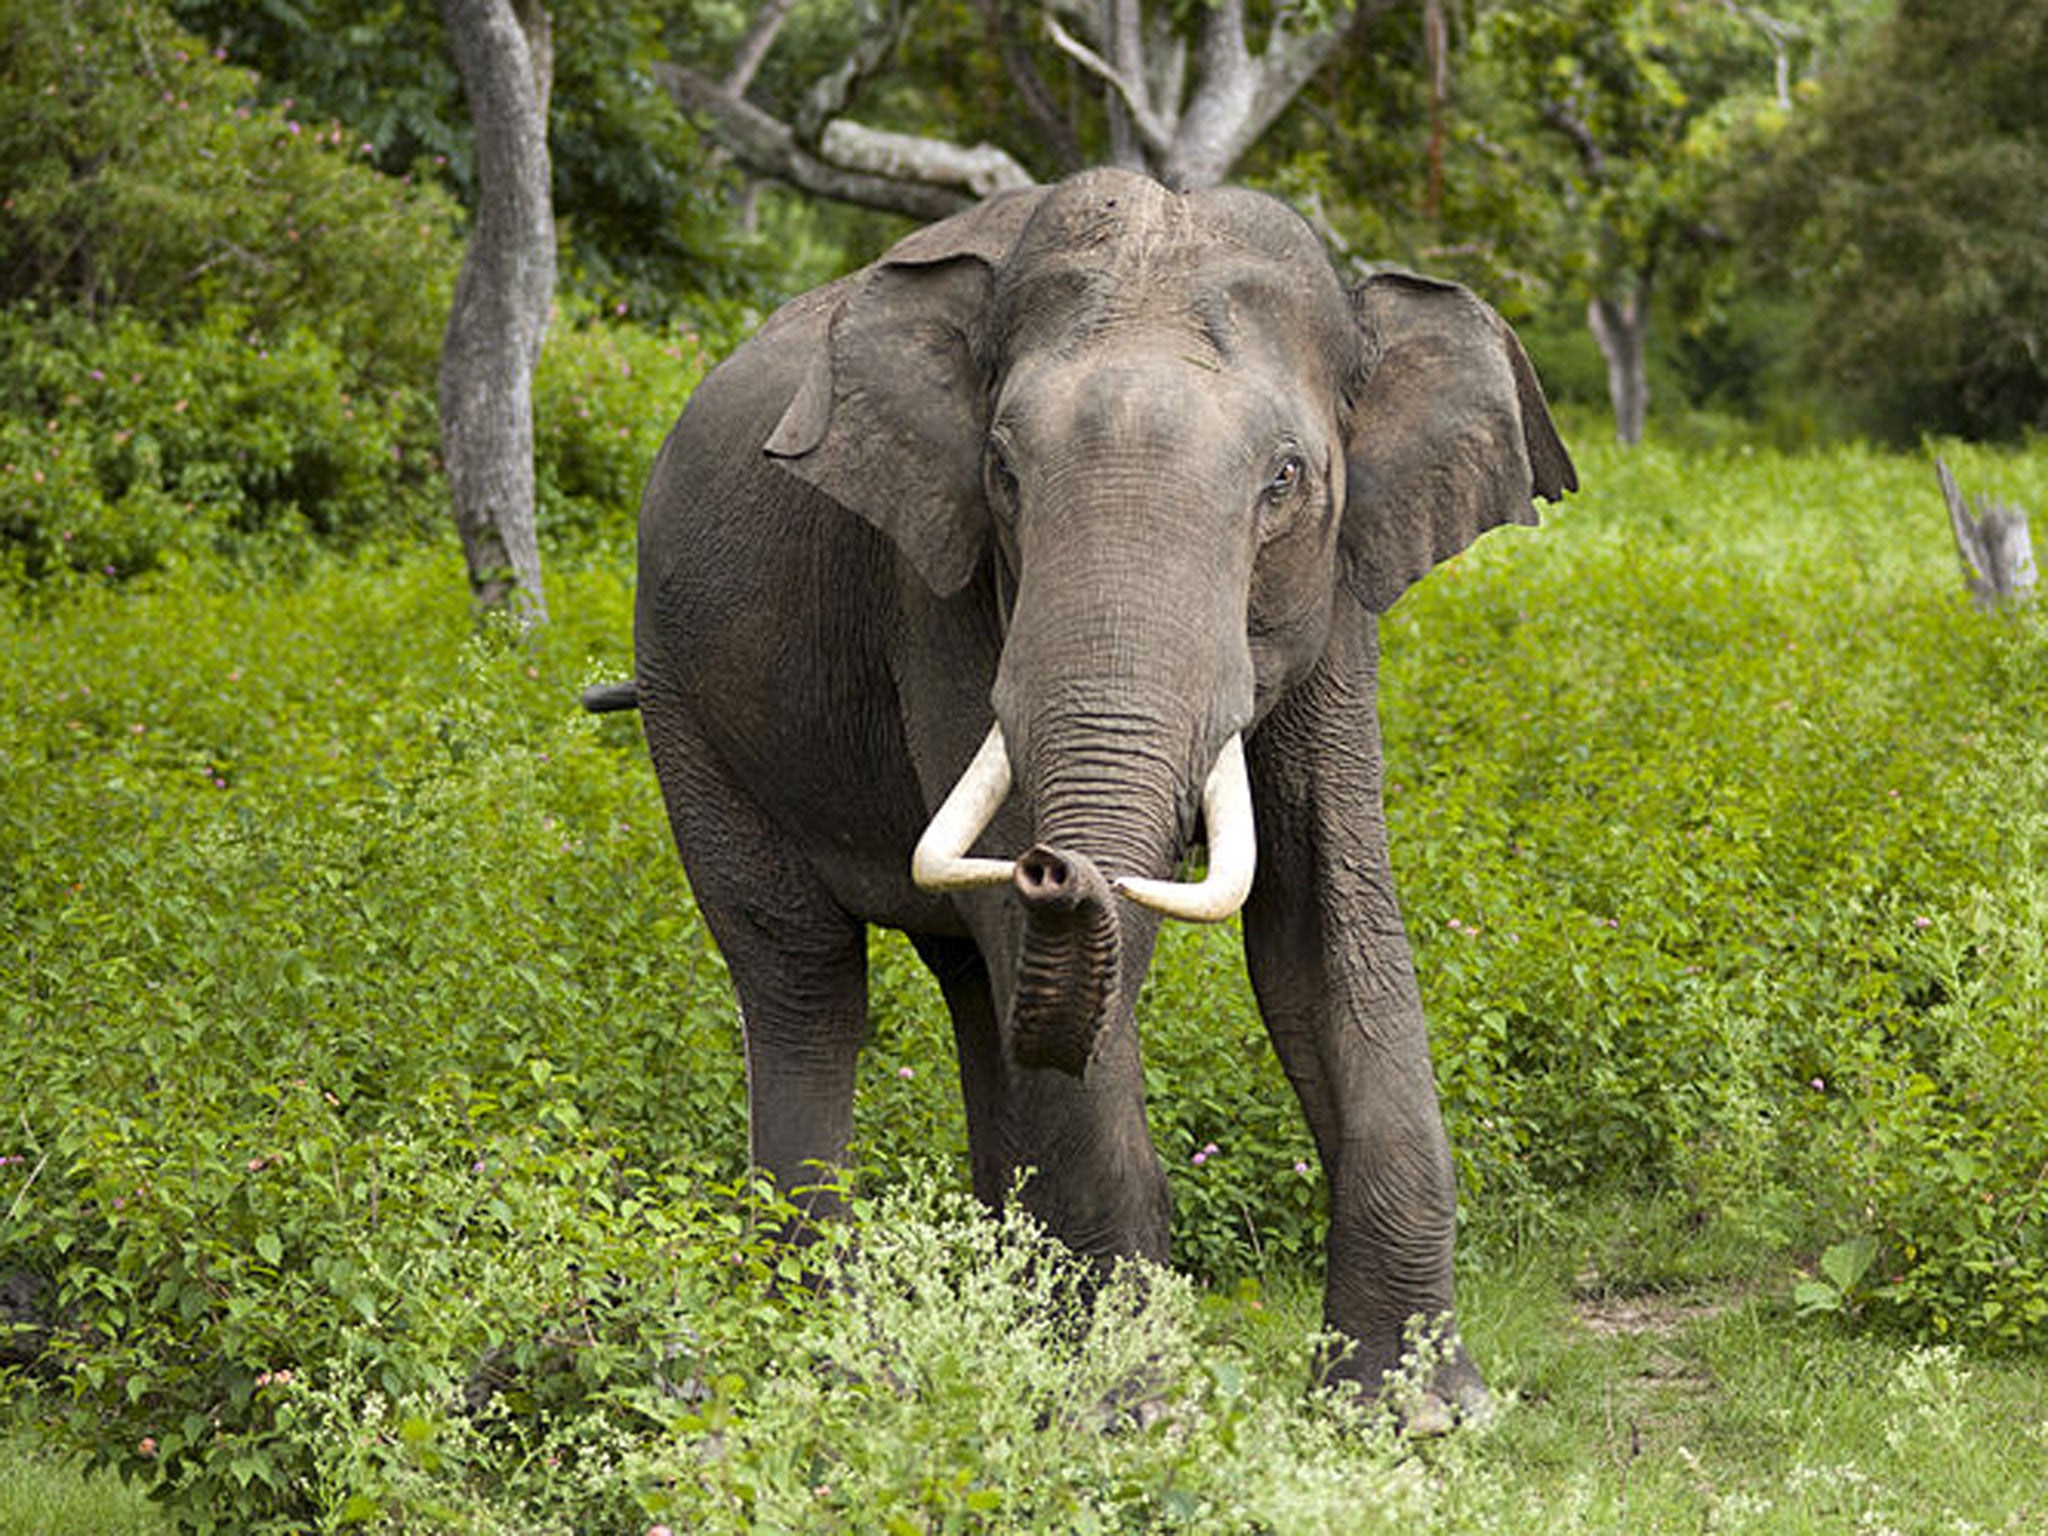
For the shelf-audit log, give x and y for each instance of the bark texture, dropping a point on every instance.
(504, 51)
(1622, 328)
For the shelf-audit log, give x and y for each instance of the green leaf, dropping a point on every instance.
(1848, 1262)
(1813, 1296)
(269, 1247)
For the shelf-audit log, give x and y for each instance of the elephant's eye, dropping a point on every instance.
(1287, 477)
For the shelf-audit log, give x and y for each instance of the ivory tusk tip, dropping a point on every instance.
(1189, 903)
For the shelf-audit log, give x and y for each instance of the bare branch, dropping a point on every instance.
(1557, 115)
(830, 95)
(753, 49)
(1156, 132)
(766, 146)
(1781, 34)
(981, 168)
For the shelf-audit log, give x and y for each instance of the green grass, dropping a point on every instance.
(362, 1032)
(43, 1494)
(1698, 1410)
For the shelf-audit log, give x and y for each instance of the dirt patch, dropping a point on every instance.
(1645, 1316)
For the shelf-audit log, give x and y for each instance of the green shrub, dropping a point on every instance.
(605, 396)
(144, 176)
(123, 446)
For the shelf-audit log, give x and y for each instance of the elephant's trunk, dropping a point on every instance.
(1070, 960)
(1070, 966)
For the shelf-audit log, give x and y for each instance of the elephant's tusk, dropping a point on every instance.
(1233, 850)
(941, 862)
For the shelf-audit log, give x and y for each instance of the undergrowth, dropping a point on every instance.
(369, 1056)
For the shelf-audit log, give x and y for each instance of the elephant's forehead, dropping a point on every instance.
(1114, 250)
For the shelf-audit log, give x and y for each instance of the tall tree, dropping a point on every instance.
(502, 300)
(1181, 91)
(1616, 110)
(1910, 208)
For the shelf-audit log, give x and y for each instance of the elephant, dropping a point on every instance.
(983, 588)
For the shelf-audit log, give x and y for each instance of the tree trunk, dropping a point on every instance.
(1622, 328)
(504, 52)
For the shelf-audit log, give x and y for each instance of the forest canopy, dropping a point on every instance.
(1799, 220)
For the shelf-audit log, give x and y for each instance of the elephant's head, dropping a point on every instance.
(1179, 438)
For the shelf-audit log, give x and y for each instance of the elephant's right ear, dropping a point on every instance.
(891, 417)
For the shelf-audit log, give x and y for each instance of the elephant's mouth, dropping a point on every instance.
(942, 863)
(1070, 963)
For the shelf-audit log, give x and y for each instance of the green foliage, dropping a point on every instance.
(221, 325)
(1614, 114)
(123, 447)
(604, 397)
(1717, 883)
(360, 1027)
(1905, 203)
(644, 219)
(141, 176)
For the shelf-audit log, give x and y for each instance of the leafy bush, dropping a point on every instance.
(143, 176)
(605, 395)
(123, 446)
(314, 900)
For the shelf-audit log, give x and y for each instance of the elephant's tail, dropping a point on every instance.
(605, 698)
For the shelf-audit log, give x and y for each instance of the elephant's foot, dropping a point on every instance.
(1435, 1388)
(1455, 1396)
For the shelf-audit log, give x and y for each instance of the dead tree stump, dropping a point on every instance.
(1993, 543)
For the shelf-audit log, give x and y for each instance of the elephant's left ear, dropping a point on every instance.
(891, 417)
(1450, 434)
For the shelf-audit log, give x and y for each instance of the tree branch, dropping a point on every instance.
(753, 48)
(1557, 115)
(766, 146)
(1238, 96)
(1156, 131)
(830, 95)
(1049, 124)
(981, 168)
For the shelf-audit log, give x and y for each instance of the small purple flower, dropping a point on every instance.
(906, 1073)
(1200, 1158)
(1923, 921)
(1820, 1085)
(1300, 1167)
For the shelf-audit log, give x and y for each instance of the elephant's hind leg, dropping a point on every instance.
(798, 964)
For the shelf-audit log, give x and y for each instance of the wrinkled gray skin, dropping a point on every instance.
(1131, 471)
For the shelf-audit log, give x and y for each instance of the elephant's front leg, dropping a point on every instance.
(1329, 961)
